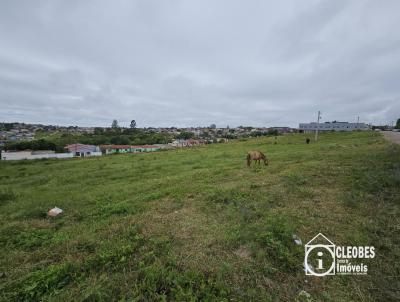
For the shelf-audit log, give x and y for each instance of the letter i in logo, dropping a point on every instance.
(320, 254)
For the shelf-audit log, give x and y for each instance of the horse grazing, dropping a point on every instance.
(256, 156)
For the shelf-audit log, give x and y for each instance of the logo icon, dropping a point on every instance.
(324, 258)
(319, 257)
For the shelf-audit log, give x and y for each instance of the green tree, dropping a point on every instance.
(115, 129)
(120, 140)
(273, 132)
(114, 124)
(398, 124)
(185, 135)
(40, 144)
(98, 131)
(133, 124)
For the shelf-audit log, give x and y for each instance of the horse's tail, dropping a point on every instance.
(248, 160)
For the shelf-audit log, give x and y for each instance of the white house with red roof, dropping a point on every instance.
(81, 150)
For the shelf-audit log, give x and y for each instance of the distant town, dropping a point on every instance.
(31, 141)
(14, 132)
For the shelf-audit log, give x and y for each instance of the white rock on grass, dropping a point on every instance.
(55, 212)
(297, 240)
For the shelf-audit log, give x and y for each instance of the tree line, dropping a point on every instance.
(100, 136)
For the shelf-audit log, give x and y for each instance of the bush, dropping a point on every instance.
(185, 135)
(7, 195)
(40, 144)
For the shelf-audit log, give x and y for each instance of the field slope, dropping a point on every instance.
(197, 224)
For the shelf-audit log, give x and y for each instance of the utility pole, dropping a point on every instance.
(316, 131)
(358, 122)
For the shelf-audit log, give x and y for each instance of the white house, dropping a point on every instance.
(75, 150)
(81, 150)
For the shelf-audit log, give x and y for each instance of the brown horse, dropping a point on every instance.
(256, 156)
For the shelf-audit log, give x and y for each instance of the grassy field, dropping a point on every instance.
(197, 224)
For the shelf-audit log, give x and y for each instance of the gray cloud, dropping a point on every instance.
(185, 63)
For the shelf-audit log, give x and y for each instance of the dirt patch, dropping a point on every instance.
(243, 252)
(391, 136)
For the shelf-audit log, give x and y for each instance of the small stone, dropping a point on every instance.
(297, 240)
(55, 212)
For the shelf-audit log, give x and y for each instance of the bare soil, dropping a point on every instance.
(391, 136)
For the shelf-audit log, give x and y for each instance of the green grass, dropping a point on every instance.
(197, 224)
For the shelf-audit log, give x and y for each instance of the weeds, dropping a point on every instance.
(7, 196)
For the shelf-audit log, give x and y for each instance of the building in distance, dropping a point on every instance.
(332, 126)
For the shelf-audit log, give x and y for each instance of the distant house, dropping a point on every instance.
(112, 149)
(81, 150)
(145, 148)
(163, 146)
(178, 143)
(193, 142)
(186, 142)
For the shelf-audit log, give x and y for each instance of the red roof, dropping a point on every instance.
(127, 146)
(75, 146)
(80, 147)
(145, 146)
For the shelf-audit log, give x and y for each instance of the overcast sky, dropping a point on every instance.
(189, 63)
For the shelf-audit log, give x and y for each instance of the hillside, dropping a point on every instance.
(197, 224)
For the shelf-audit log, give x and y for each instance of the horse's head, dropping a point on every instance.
(265, 159)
